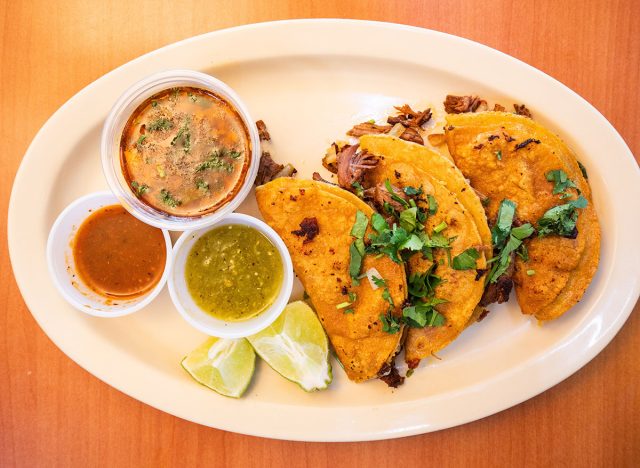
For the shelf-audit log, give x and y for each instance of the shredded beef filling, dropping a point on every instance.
(411, 134)
(483, 314)
(410, 118)
(263, 133)
(318, 178)
(462, 104)
(389, 374)
(368, 128)
(499, 291)
(268, 169)
(352, 165)
(413, 363)
(521, 109)
(381, 196)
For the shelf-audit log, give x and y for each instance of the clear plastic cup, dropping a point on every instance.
(112, 134)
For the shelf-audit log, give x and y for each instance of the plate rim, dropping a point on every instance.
(290, 434)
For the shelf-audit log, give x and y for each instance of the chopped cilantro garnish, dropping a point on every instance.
(381, 283)
(352, 296)
(401, 241)
(138, 188)
(168, 199)
(154, 103)
(437, 240)
(386, 295)
(343, 305)
(216, 162)
(202, 185)
(507, 240)
(531, 272)
(359, 189)
(440, 227)
(160, 124)
(424, 314)
(412, 191)
(392, 241)
(433, 204)
(561, 182)
(522, 232)
(390, 323)
(523, 253)
(502, 228)
(355, 263)
(379, 223)
(424, 284)
(348, 311)
(561, 219)
(466, 260)
(360, 225)
(140, 140)
(184, 135)
(394, 196)
(413, 243)
(421, 217)
(408, 219)
(357, 248)
(499, 155)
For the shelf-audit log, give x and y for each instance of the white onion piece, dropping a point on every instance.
(397, 130)
(371, 272)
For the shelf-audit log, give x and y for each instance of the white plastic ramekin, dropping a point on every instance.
(112, 134)
(62, 267)
(206, 323)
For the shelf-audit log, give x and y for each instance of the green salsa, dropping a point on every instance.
(233, 272)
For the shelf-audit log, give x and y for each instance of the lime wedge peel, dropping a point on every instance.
(224, 365)
(296, 347)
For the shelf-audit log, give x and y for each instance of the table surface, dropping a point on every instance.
(53, 412)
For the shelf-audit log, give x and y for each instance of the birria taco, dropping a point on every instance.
(323, 228)
(530, 178)
(455, 230)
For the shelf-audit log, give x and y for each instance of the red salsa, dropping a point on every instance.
(118, 256)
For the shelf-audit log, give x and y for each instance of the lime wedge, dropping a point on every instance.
(296, 347)
(223, 365)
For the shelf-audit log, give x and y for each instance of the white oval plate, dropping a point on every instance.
(310, 81)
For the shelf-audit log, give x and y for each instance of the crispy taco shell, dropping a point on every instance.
(508, 156)
(408, 164)
(322, 265)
